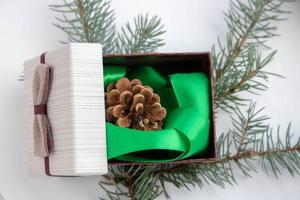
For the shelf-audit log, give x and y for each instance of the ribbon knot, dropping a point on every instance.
(40, 109)
(42, 80)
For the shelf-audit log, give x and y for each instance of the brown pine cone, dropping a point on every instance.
(130, 104)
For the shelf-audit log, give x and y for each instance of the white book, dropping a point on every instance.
(76, 111)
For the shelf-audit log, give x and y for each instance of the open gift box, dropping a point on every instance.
(76, 108)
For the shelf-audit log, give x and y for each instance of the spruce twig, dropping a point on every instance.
(84, 20)
(239, 63)
(143, 37)
(87, 21)
(94, 21)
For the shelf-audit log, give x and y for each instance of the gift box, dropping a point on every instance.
(65, 93)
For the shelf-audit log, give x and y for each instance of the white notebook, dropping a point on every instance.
(76, 111)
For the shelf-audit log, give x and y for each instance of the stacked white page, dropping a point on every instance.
(76, 111)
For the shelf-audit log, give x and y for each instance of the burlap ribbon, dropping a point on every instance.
(42, 139)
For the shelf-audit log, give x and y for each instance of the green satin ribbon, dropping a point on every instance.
(113, 74)
(186, 127)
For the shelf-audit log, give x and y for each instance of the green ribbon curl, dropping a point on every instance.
(186, 127)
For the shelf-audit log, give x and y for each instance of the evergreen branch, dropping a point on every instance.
(292, 165)
(87, 21)
(143, 37)
(239, 64)
(84, 21)
(134, 182)
(94, 21)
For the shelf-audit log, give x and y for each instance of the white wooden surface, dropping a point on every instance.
(192, 25)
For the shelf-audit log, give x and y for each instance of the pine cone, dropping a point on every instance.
(130, 104)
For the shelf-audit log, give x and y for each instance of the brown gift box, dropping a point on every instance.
(168, 63)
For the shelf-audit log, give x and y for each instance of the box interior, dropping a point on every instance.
(170, 63)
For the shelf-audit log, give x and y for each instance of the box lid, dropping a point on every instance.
(76, 111)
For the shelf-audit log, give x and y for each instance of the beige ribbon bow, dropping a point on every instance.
(42, 137)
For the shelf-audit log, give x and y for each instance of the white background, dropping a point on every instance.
(192, 25)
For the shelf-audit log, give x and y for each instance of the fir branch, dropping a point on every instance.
(134, 182)
(144, 36)
(87, 21)
(94, 21)
(239, 63)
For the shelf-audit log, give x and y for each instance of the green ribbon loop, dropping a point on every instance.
(186, 127)
(113, 74)
(149, 76)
